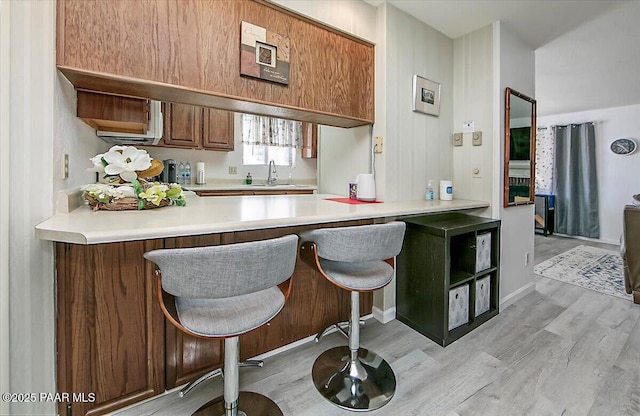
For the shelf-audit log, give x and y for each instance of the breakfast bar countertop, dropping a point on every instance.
(207, 215)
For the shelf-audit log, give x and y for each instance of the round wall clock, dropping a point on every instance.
(624, 146)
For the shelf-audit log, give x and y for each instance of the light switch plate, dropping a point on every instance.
(477, 138)
(457, 139)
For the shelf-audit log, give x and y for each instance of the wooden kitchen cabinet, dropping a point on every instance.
(113, 113)
(191, 54)
(113, 340)
(309, 141)
(217, 129)
(110, 330)
(194, 127)
(255, 192)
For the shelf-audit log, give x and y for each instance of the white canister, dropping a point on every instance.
(446, 190)
(200, 173)
(366, 187)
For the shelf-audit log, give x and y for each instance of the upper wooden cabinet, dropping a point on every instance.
(309, 141)
(196, 127)
(113, 113)
(189, 52)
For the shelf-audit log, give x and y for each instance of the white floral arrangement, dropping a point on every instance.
(128, 169)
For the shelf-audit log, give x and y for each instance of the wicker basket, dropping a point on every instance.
(124, 204)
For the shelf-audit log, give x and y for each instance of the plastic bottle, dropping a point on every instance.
(249, 179)
(181, 173)
(429, 194)
(187, 174)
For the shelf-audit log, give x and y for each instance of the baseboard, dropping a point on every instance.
(385, 316)
(517, 295)
(593, 240)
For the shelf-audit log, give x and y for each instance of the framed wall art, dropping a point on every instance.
(264, 54)
(426, 96)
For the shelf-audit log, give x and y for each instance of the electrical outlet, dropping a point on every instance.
(233, 170)
(377, 145)
(65, 166)
(457, 139)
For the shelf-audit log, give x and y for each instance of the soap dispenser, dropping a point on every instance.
(249, 179)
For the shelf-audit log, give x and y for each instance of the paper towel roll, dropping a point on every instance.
(446, 190)
(200, 173)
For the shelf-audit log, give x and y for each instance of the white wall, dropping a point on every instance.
(618, 176)
(5, 142)
(516, 69)
(32, 79)
(72, 137)
(474, 96)
(417, 146)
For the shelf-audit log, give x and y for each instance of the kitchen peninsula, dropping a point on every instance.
(111, 335)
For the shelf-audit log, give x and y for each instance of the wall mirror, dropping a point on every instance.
(519, 148)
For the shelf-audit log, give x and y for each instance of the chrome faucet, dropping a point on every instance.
(273, 174)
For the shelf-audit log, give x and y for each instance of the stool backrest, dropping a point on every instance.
(359, 243)
(227, 270)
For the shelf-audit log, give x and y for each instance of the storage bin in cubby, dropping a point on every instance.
(483, 252)
(458, 306)
(483, 286)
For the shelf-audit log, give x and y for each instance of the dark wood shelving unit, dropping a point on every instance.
(447, 256)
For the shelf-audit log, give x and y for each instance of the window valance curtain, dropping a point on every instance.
(268, 131)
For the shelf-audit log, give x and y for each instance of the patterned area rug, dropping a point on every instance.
(589, 267)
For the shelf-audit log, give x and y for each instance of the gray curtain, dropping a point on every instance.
(575, 180)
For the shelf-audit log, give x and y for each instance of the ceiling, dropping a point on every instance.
(582, 47)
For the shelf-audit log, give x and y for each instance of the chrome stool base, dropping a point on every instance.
(249, 404)
(366, 384)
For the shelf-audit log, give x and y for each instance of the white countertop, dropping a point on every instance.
(206, 215)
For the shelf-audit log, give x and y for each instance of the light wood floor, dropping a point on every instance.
(561, 350)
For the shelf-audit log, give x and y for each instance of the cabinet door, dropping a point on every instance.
(110, 330)
(113, 113)
(217, 129)
(309, 140)
(187, 357)
(182, 125)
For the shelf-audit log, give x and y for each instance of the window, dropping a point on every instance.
(266, 138)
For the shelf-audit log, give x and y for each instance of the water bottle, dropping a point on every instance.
(429, 194)
(187, 174)
(181, 173)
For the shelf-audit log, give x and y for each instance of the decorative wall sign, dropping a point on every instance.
(264, 54)
(426, 96)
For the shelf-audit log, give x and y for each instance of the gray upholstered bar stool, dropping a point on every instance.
(223, 292)
(353, 258)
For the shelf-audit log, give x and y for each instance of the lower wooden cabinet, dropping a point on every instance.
(110, 331)
(254, 192)
(113, 340)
